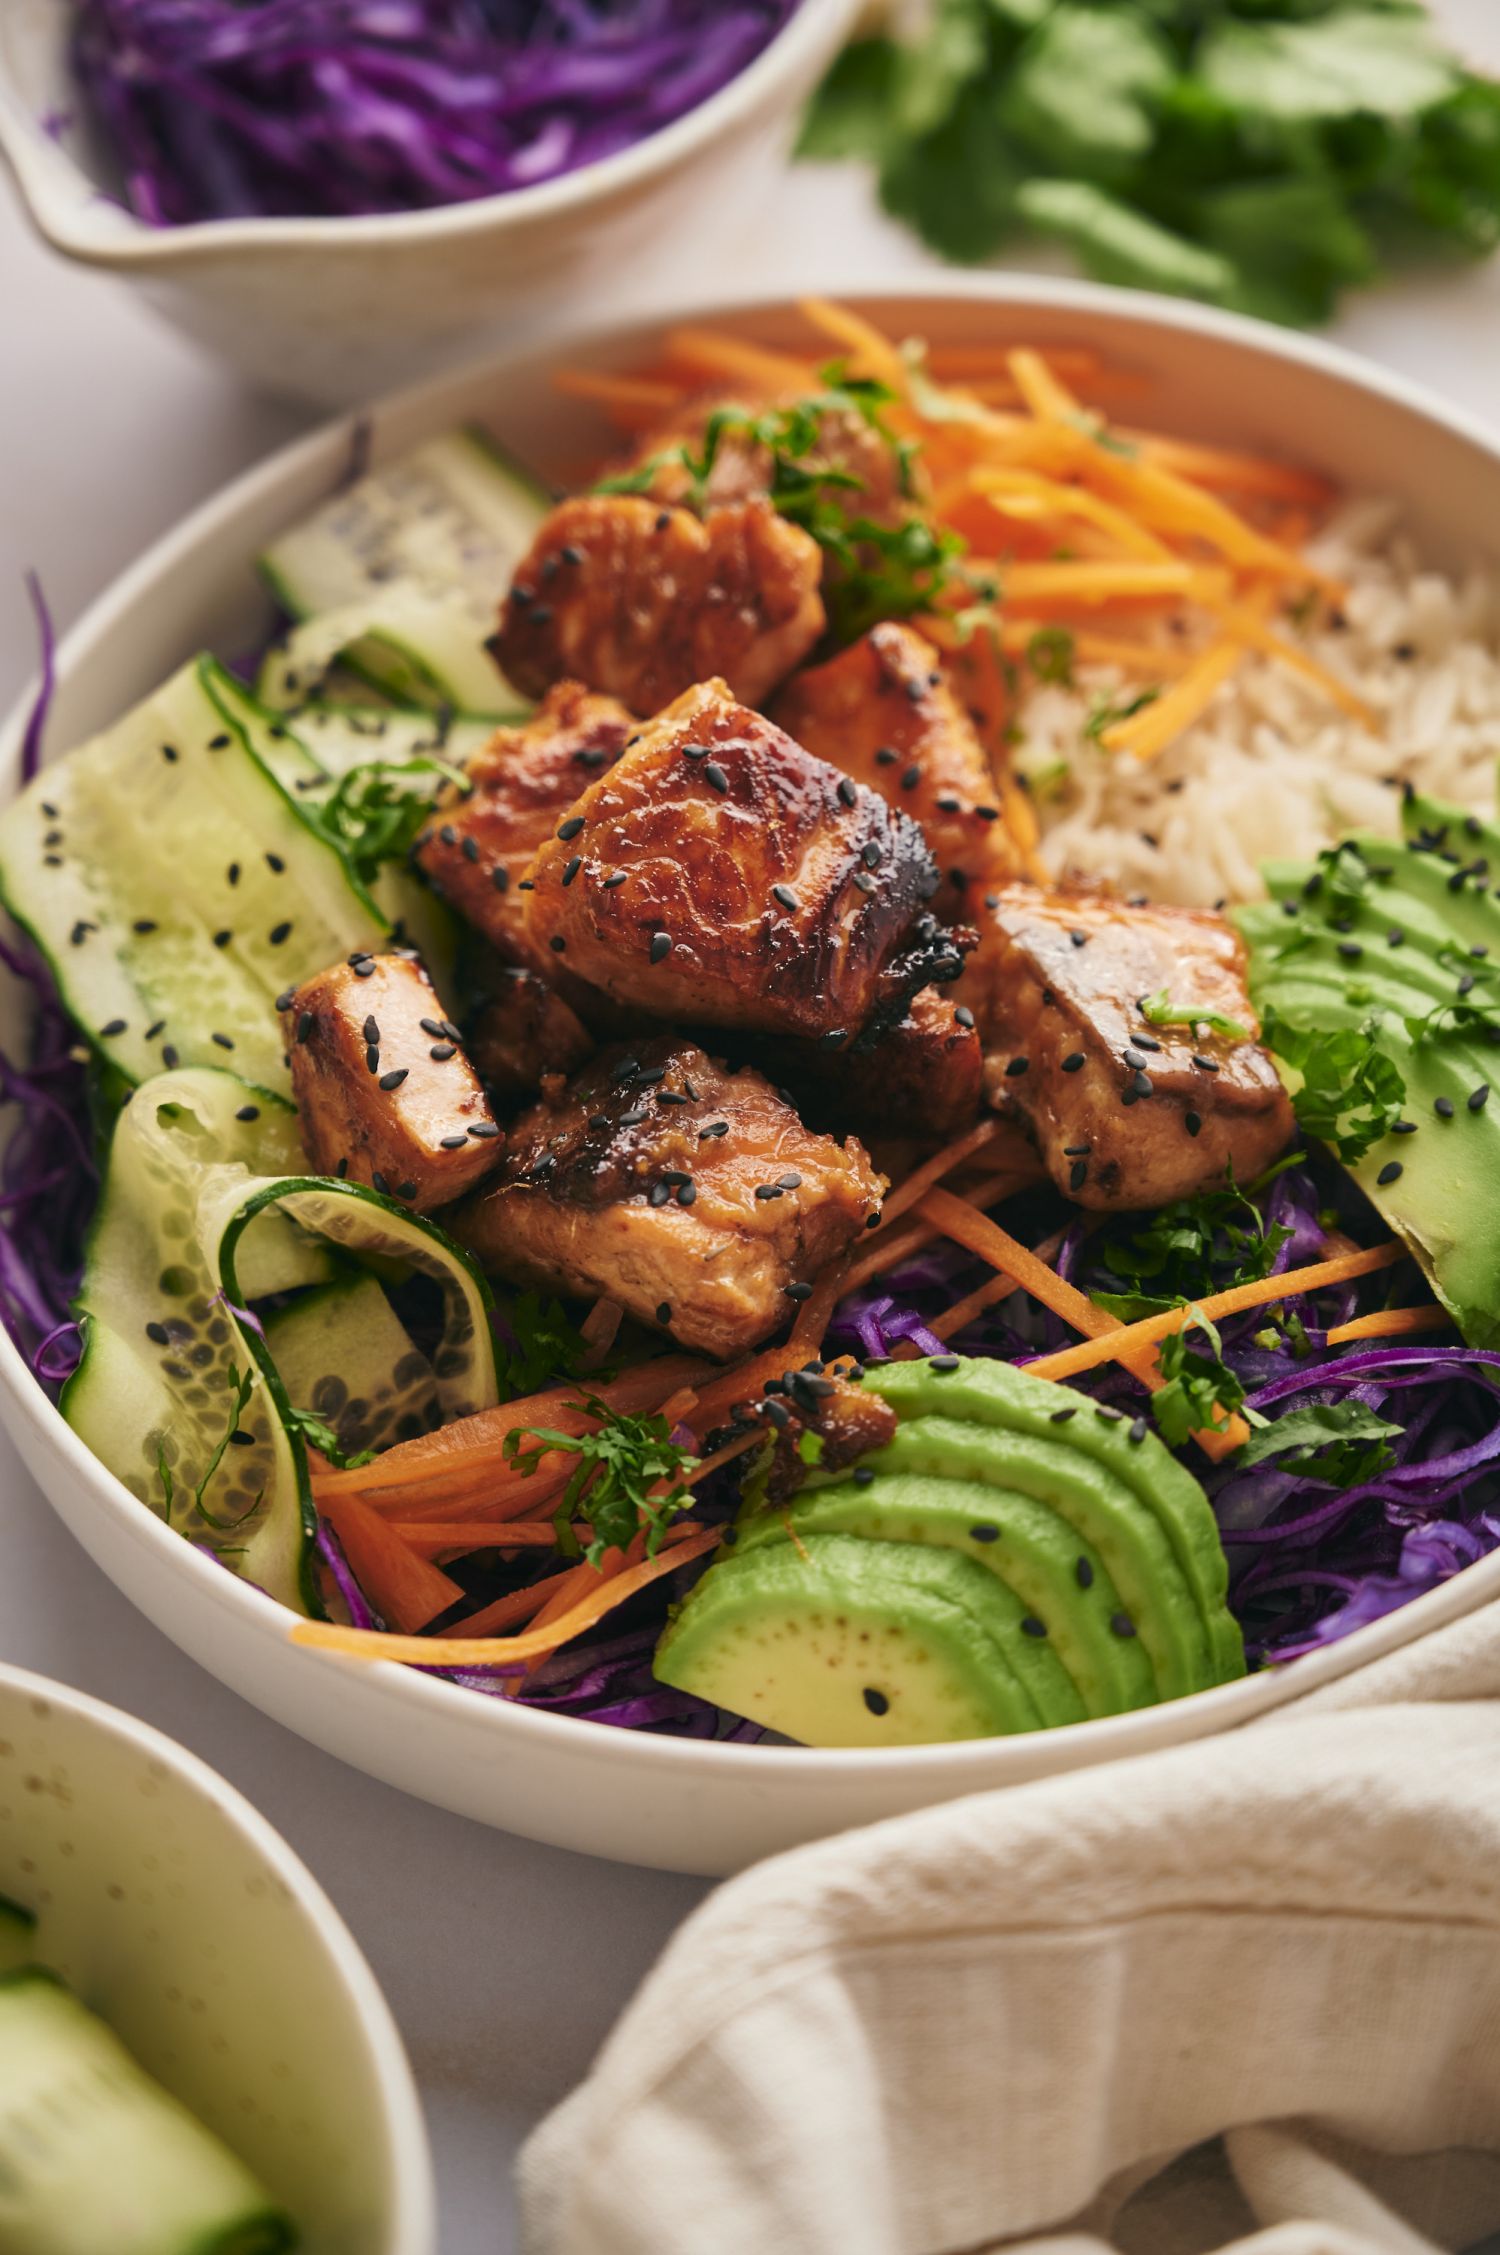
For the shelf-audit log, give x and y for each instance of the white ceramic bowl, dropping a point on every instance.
(683, 1804)
(336, 310)
(179, 1915)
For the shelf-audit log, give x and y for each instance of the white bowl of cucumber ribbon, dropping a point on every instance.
(192, 2050)
(373, 603)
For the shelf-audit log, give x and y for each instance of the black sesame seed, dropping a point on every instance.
(617, 877)
(115, 1026)
(570, 828)
(785, 895)
(500, 879)
(863, 1476)
(942, 1364)
(916, 690)
(342, 1170)
(169, 1056)
(1122, 1624)
(441, 1051)
(663, 519)
(687, 1192)
(715, 1127)
(1061, 1416)
(558, 944)
(1031, 1626)
(661, 946)
(984, 1534)
(170, 754)
(275, 864)
(870, 855)
(714, 777)
(1443, 1106)
(144, 924)
(791, 1180)
(798, 1292)
(1074, 1063)
(364, 969)
(911, 777)
(452, 1142)
(1079, 939)
(159, 1333)
(1132, 1058)
(864, 880)
(948, 805)
(155, 1028)
(1078, 1174)
(1143, 1085)
(372, 1058)
(876, 1701)
(470, 849)
(1193, 1123)
(1016, 1067)
(378, 1182)
(448, 834)
(658, 1194)
(1205, 1064)
(1350, 950)
(1391, 1172)
(650, 1076)
(1479, 1097)
(393, 1079)
(1403, 1127)
(885, 756)
(221, 1041)
(248, 1112)
(278, 933)
(571, 868)
(1109, 1415)
(1395, 937)
(1138, 1430)
(767, 1190)
(1083, 1574)
(1144, 1041)
(848, 789)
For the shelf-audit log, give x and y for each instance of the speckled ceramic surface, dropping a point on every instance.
(176, 1912)
(690, 1804)
(337, 309)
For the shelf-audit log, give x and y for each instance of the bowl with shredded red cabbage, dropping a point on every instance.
(1381, 1525)
(341, 195)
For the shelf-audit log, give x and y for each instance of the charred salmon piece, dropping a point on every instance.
(922, 1076)
(523, 1035)
(884, 712)
(693, 1196)
(641, 601)
(384, 1092)
(1128, 1113)
(741, 466)
(477, 846)
(722, 876)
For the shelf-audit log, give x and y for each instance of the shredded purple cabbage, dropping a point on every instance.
(231, 109)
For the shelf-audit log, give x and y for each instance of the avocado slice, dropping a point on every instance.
(996, 1396)
(1061, 1580)
(835, 1641)
(1378, 959)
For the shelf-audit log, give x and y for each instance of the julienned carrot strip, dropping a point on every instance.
(942, 1162)
(1158, 724)
(1044, 392)
(1241, 621)
(1063, 500)
(482, 1436)
(996, 1245)
(1221, 468)
(1389, 1323)
(1164, 499)
(492, 1652)
(873, 354)
(1099, 580)
(955, 1319)
(406, 1589)
(710, 355)
(633, 402)
(508, 1612)
(1132, 1338)
(1090, 648)
(460, 1535)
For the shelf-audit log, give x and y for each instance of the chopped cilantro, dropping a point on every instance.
(1340, 1442)
(321, 1436)
(1201, 1394)
(1050, 654)
(1350, 1092)
(1207, 1243)
(374, 813)
(543, 1345)
(619, 1466)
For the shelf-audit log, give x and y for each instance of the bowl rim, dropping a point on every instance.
(44, 172)
(22, 1398)
(413, 2220)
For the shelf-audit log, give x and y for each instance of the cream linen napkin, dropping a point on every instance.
(1240, 1995)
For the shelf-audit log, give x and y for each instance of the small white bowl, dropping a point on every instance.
(335, 310)
(688, 1805)
(175, 1912)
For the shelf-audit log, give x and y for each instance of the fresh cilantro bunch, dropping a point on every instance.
(884, 571)
(1196, 1246)
(619, 1466)
(536, 1345)
(1262, 154)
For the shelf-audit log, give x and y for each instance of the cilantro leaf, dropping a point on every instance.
(851, 113)
(1340, 1442)
(320, 1435)
(1050, 655)
(1214, 1240)
(1116, 243)
(1080, 96)
(620, 1464)
(1201, 1394)
(1357, 59)
(1351, 1093)
(542, 1346)
(375, 811)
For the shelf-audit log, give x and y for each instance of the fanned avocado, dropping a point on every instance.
(1385, 935)
(840, 1642)
(1009, 1407)
(1103, 1561)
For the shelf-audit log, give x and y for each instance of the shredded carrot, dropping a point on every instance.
(1006, 486)
(1099, 580)
(407, 1589)
(955, 1319)
(1044, 392)
(1128, 1341)
(630, 401)
(1246, 625)
(870, 353)
(1150, 730)
(1220, 467)
(708, 355)
(462, 1535)
(932, 1170)
(1390, 1323)
(473, 1651)
(510, 1612)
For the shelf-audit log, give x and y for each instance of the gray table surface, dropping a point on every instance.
(110, 428)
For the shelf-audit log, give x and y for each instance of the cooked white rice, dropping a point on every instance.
(1272, 770)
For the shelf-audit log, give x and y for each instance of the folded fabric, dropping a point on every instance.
(1242, 1995)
